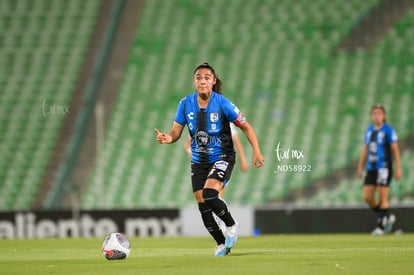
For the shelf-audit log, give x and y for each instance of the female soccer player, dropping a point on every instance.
(379, 151)
(208, 114)
(242, 159)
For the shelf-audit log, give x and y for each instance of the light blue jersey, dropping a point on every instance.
(379, 146)
(209, 128)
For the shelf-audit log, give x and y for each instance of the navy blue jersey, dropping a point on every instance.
(379, 146)
(209, 128)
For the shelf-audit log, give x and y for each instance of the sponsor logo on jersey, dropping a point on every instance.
(202, 138)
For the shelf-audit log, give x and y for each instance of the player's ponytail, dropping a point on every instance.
(218, 87)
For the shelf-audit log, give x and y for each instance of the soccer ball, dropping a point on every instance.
(116, 246)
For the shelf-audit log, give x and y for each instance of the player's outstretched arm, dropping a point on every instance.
(257, 159)
(244, 166)
(172, 136)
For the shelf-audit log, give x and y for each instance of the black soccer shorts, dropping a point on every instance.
(380, 177)
(220, 170)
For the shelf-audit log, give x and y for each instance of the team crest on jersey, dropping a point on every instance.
(214, 117)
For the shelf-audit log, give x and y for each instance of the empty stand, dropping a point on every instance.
(41, 47)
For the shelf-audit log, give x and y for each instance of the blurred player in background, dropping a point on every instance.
(379, 151)
(208, 114)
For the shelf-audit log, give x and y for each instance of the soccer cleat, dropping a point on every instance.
(231, 235)
(390, 222)
(221, 250)
(377, 232)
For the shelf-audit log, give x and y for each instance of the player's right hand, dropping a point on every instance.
(162, 138)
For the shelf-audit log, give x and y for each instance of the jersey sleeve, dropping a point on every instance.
(180, 112)
(367, 135)
(232, 112)
(392, 135)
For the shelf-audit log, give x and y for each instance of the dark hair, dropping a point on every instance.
(216, 87)
(379, 106)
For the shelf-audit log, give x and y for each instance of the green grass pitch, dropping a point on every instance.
(265, 254)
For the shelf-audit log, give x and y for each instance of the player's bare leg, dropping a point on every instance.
(369, 195)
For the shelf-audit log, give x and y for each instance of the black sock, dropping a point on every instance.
(219, 206)
(383, 214)
(210, 223)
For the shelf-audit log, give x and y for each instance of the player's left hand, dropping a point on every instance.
(258, 160)
(398, 174)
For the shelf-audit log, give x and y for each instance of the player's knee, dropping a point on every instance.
(210, 194)
(198, 195)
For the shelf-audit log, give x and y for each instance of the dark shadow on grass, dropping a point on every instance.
(255, 253)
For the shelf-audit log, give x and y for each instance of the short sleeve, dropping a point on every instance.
(232, 112)
(180, 112)
(367, 135)
(393, 135)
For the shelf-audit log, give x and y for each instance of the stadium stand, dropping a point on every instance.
(41, 48)
(348, 192)
(278, 68)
